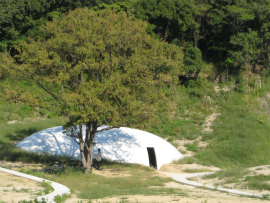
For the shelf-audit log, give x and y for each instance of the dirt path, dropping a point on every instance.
(15, 189)
(208, 122)
(190, 194)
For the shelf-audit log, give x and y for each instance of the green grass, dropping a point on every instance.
(141, 180)
(231, 175)
(240, 175)
(258, 182)
(47, 187)
(11, 134)
(186, 160)
(197, 170)
(240, 138)
(24, 190)
(192, 147)
(61, 199)
(181, 117)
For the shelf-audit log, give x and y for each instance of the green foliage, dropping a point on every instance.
(186, 160)
(60, 199)
(170, 139)
(258, 182)
(260, 177)
(104, 72)
(193, 62)
(192, 147)
(231, 175)
(117, 7)
(231, 33)
(21, 18)
(47, 187)
(262, 118)
(35, 201)
(173, 19)
(127, 57)
(246, 47)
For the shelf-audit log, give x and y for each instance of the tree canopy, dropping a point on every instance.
(98, 68)
(212, 26)
(22, 18)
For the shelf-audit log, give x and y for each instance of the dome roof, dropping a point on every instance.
(125, 145)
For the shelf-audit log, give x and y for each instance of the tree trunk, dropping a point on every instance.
(87, 146)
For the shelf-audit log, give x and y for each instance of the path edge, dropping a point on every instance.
(59, 189)
(182, 178)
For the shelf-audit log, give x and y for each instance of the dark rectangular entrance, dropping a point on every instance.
(152, 157)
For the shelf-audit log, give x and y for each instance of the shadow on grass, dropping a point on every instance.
(9, 152)
(21, 134)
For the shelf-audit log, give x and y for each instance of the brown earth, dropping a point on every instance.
(15, 189)
(190, 194)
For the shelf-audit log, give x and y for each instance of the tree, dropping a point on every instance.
(246, 48)
(223, 19)
(193, 62)
(98, 68)
(20, 18)
(172, 19)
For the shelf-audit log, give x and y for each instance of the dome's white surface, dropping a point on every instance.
(123, 145)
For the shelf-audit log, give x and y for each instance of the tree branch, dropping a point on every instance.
(106, 129)
(120, 104)
(76, 141)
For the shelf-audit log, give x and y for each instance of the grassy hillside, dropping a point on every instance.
(240, 139)
(241, 132)
(240, 135)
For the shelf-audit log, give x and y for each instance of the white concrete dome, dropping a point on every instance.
(125, 145)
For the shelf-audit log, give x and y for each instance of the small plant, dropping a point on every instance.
(197, 170)
(47, 191)
(30, 172)
(170, 139)
(21, 170)
(175, 145)
(260, 177)
(265, 196)
(14, 190)
(192, 147)
(39, 193)
(35, 201)
(47, 185)
(185, 160)
(24, 190)
(262, 118)
(61, 199)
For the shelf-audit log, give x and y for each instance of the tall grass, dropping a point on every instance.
(258, 182)
(182, 116)
(239, 138)
(231, 175)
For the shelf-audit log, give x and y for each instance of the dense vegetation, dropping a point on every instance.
(225, 44)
